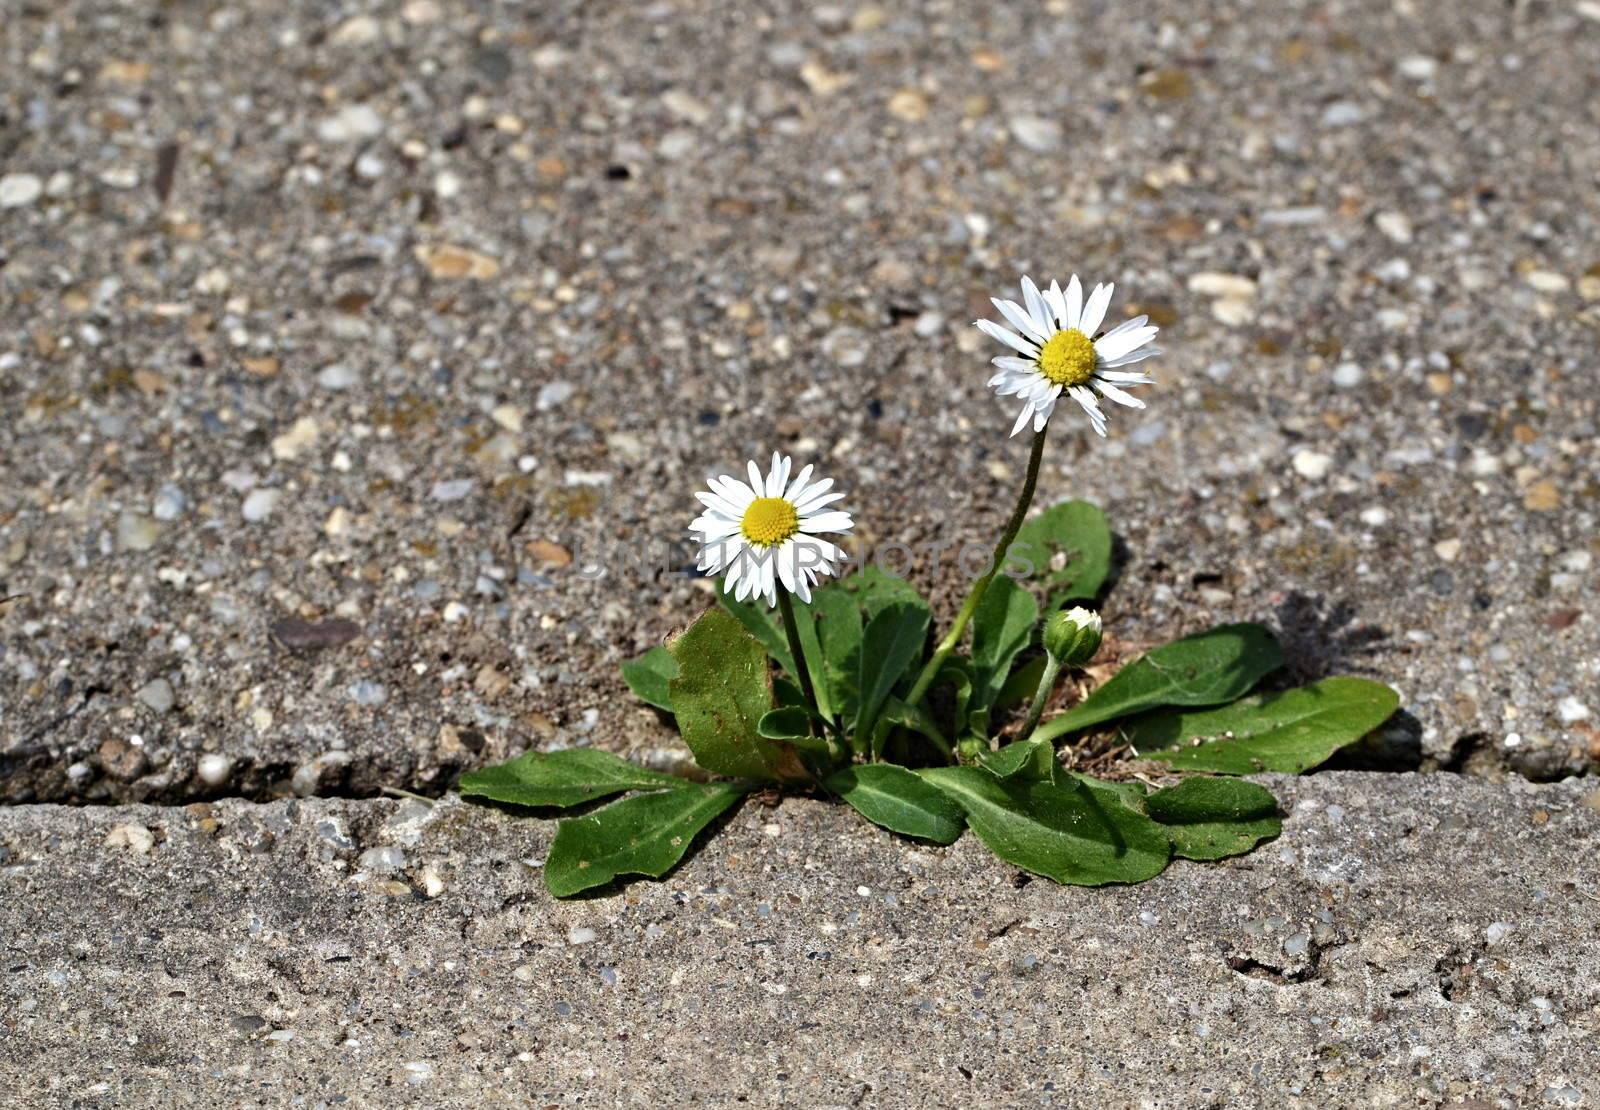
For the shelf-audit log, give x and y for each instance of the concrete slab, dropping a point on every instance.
(390, 316)
(1410, 940)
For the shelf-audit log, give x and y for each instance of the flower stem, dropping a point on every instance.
(981, 586)
(1047, 681)
(792, 630)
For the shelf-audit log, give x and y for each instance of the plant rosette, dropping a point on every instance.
(804, 681)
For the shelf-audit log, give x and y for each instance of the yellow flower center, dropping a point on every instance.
(769, 520)
(1067, 358)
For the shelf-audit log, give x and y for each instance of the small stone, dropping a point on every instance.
(338, 522)
(300, 436)
(19, 189)
(136, 532)
(685, 106)
(1233, 311)
(508, 417)
(214, 770)
(337, 376)
(367, 692)
(909, 105)
(1497, 932)
(303, 635)
(121, 760)
(1448, 550)
(157, 695)
(1347, 375)
(1418, 67)
(131, 837)
(213, 282)
(455, 489)
(259, 504)
(1395, 225)
(449, 262)
(677, 143)
(1342, 113)
(1375, 517)
(169, 503)
(1312, 465)
(1396, 271)
(309, 777)
(351, 123)
(550, 554)
(1212, 283)
(360, 30)
(383, 860)
(432, 882)
(553, 394)
(1547, 281)
(1036, 133)
(581, 934)
(1571, 711)
(1542, 497)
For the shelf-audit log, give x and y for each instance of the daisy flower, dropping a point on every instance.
(766, 532)
(1060, 353)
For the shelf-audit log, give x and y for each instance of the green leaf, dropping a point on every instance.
(891, 643)
(790, 723)
(1291, 731)
(785, 723)
(876, 589)
(897, 714)
(1022, 684)
(1001, 627)
(1065, 831)
(1212, 818)
(957, 674)
(564, 778)
(1208, 668)
(811, 651)
(893, 797)
(836, 620)
(1033, 760)
(1068, 547)
(722, 690)
(650, 675)
(643, 835)
(762, 623)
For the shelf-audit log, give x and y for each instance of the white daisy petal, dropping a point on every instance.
(1074, 302)
(813, 507)
(1037, 308)
(1095, 310)
(797, 487)
(1124, 377)
(757, 482)
(1022, 420)
(1131, 357)
(1016, 343)
(1019, 319)
(1115, 346)
(1112, 393)
(1127, 325)
(1090, 406)
(1011, 362)
(1058, 304)
(829, 522)
(735, 492)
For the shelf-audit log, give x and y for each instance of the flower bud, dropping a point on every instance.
(1072, 636)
